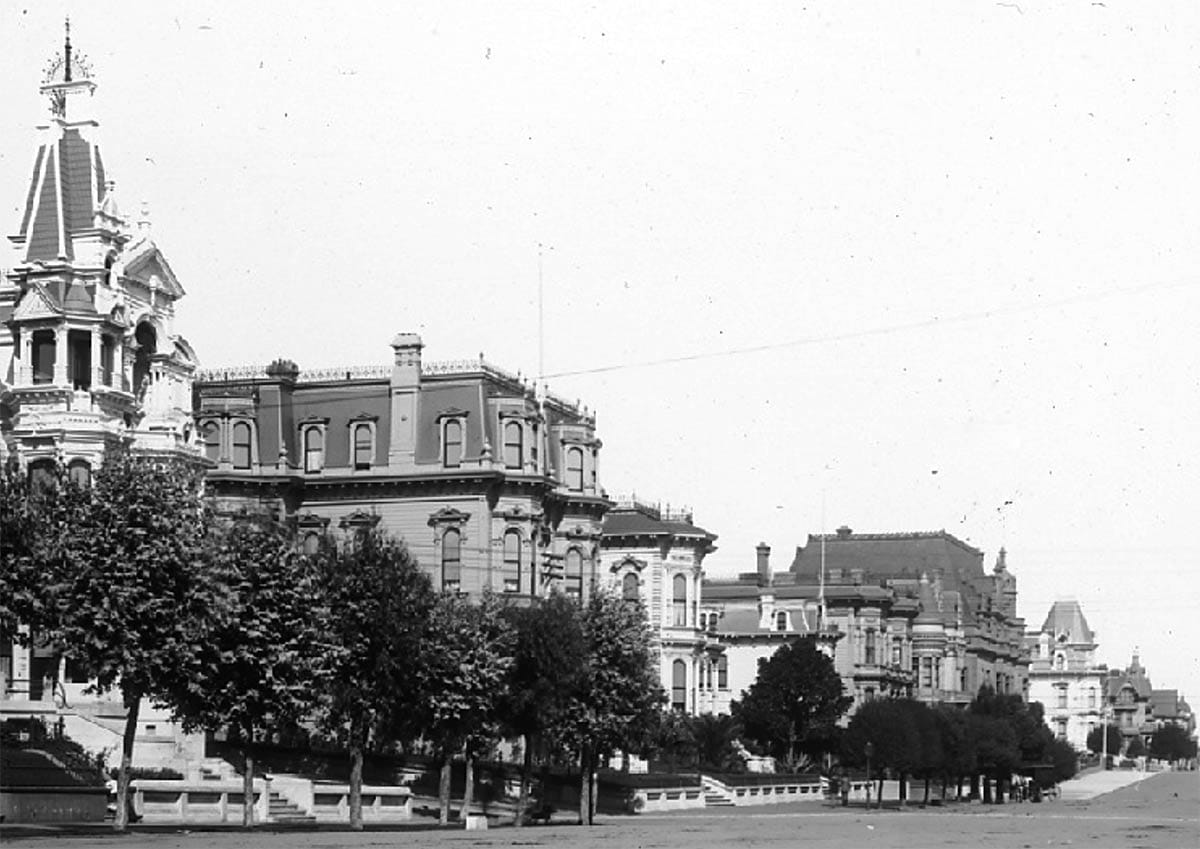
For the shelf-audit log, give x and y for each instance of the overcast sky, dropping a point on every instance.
(934, 266)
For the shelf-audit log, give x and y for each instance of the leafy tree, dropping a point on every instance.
(619, 695)
(716, 736)
(793, 706)
(255, 671)
(1136, 747)
(1096, 743)
(1172, 743)
(958, 746)
(547, 668)
(888, 727)
(1064, 761)
(21, 585)
(931, 755)
(376, 605)
(127, 596)
(673, 739)
(464, 683)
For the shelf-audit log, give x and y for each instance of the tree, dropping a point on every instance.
(255, 671)
(886, 728)
(127, 594)
(618, 697)
(1136, 747)
(1096, 743)
(793, 706)
(376, 606)
(1064, 761)
(716, 736)
(548, 664)
(22, 587)
(958, 747)
(1172, 743)
(464, 683)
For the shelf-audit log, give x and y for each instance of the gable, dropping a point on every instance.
(35, 305)
(146, 263)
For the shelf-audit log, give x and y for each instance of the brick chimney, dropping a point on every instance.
(765, 579)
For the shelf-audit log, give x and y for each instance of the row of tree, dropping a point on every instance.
(232, 628)
(1169, 743)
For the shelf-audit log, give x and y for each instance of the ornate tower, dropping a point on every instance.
(88, 353)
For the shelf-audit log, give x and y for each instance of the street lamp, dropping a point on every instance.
(869, 750)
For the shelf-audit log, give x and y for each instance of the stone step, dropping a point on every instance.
(281, 810)
(717, 800)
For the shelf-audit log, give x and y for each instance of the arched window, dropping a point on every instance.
(80, 473)
(575, 469)
(241, 445)
(629, 587)
(314, 449)
(147, 345)
(722, 673)
(211, 433)
(452, 444)
(679, 686)
(1059, 661)
(512, 561)
(364, 446)
(679, 600)
(42, 478)
(781, 623)
(574, 574)
(513, 447)
(452, 560)
(312, 542)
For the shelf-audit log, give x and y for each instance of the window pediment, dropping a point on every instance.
(452, 413)
(628, 562)
(359, 519)
(309, 421)
(363, 417)
(448, 516)
(517, 513)
(310, 521)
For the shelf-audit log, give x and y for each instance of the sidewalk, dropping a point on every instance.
(1097, 783)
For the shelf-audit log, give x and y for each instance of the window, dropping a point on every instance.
(1092, 697)
(897, 651)
(1062, 697)
(533, 448)
(312, 543)
(575, 469)
(722, 673)
(868, 693)
(80, 473)
(574, 574)
(107, 352)
(451, 560)
(679, 600)
(629, 587)
(927, 672)
(364, 446)
(1060, 729)
(314, 449)
(452, 444)
(241, 445)
(679, 686)
(869, 648)
(44, 353)
(781, 620)
(42, 477)
(1059, 661)
(211, 433)
(512, 445)
(512, 561)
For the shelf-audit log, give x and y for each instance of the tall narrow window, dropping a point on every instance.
(312, 542)
(362, 446)
(241, 445)
(79, 358)
(107, 350)
(781, 623)
(575, 469)
(533, 448)
(722, 673)
(452, 560)
(512, 445)
(452, 444)
(512, 561)
(80, 473)
(679, 686)
(679, 600)
(314, 449)
(629, 587)
(574, 574)
(869, 652)
(44, 353)
(211, 432)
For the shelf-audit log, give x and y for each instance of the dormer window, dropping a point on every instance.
(313, 437)
(211, 434)
(575, 469)
(363, 439)
(781, 620)
(452, 443)
(513, 444)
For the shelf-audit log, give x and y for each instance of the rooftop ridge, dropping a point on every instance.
(896, 535)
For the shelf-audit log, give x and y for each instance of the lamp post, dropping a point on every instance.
(869, 750)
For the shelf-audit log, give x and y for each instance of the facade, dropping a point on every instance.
(656, 556)
(902, 614)
(1127, 696)
(490, 485)
(89, 359)
(1064, 675)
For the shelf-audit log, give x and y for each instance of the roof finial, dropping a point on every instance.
(67, 52)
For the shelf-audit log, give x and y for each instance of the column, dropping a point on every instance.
(60, 354)
(118, 362)
(25, 366)
(18, 687)
(97, 365)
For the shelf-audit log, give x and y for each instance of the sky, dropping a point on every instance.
(813, 265)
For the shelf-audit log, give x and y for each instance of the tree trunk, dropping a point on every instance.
(927, 780)
(444, 792)
(526, 773)
(133, 703)
(987, 789)
(469, 789)
(879, 796)
(356, 764)
(902, 787)
(1000, 786)
(593, 791)
(248, 781)
(584, 786)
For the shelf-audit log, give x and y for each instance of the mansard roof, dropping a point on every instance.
(892, 555)
(636, 519)
(1066, 617)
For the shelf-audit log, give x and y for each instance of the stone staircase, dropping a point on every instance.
(716, 793)
(280, 810)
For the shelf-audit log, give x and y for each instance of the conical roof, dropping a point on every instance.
(1066, 617)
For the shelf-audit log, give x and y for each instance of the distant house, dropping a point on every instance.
(1127, 693)
(1064, 675)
